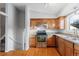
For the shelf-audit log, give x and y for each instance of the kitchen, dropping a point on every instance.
(41, 29)
(61, 33)
(65, 43)
(50, 24)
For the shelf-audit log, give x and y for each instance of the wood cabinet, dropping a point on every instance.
(65, 48)
(60, 22)
(53, 23)
(38, 21)
(60, 45)
(49, 21)
(51, 41)
(32, 42)
(76, 50)
(68, 48)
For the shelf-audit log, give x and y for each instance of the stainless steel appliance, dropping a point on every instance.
(41, 39)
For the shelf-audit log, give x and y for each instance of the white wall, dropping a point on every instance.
(37, 14)
(20, 29)
(14, 28)
(27, 29)
(68, 9)
(10, 27)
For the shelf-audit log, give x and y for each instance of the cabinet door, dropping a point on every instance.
(32, 42)
(76, 53)
(76, 50)
(68, 48)
(68, 51)
(51, 41)
(60, 22)
(61, 46)
(53, 24)
(54, 40)
(56, 23)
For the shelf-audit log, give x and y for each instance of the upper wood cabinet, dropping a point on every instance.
(48, 21)
(53, 23)
(60, 22)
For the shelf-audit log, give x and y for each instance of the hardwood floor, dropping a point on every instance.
(32, 52)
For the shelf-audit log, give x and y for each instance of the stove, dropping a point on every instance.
(41, 38)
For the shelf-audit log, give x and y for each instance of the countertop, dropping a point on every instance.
(51, 33)
(73, 39)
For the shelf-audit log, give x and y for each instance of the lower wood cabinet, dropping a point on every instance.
(69, 51)
(76, 50)
(32, 42)
(65, 48)
(60, 45)
(51, 41)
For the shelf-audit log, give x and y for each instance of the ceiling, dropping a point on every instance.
(52, 8)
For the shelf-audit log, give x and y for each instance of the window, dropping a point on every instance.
(72, 20)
